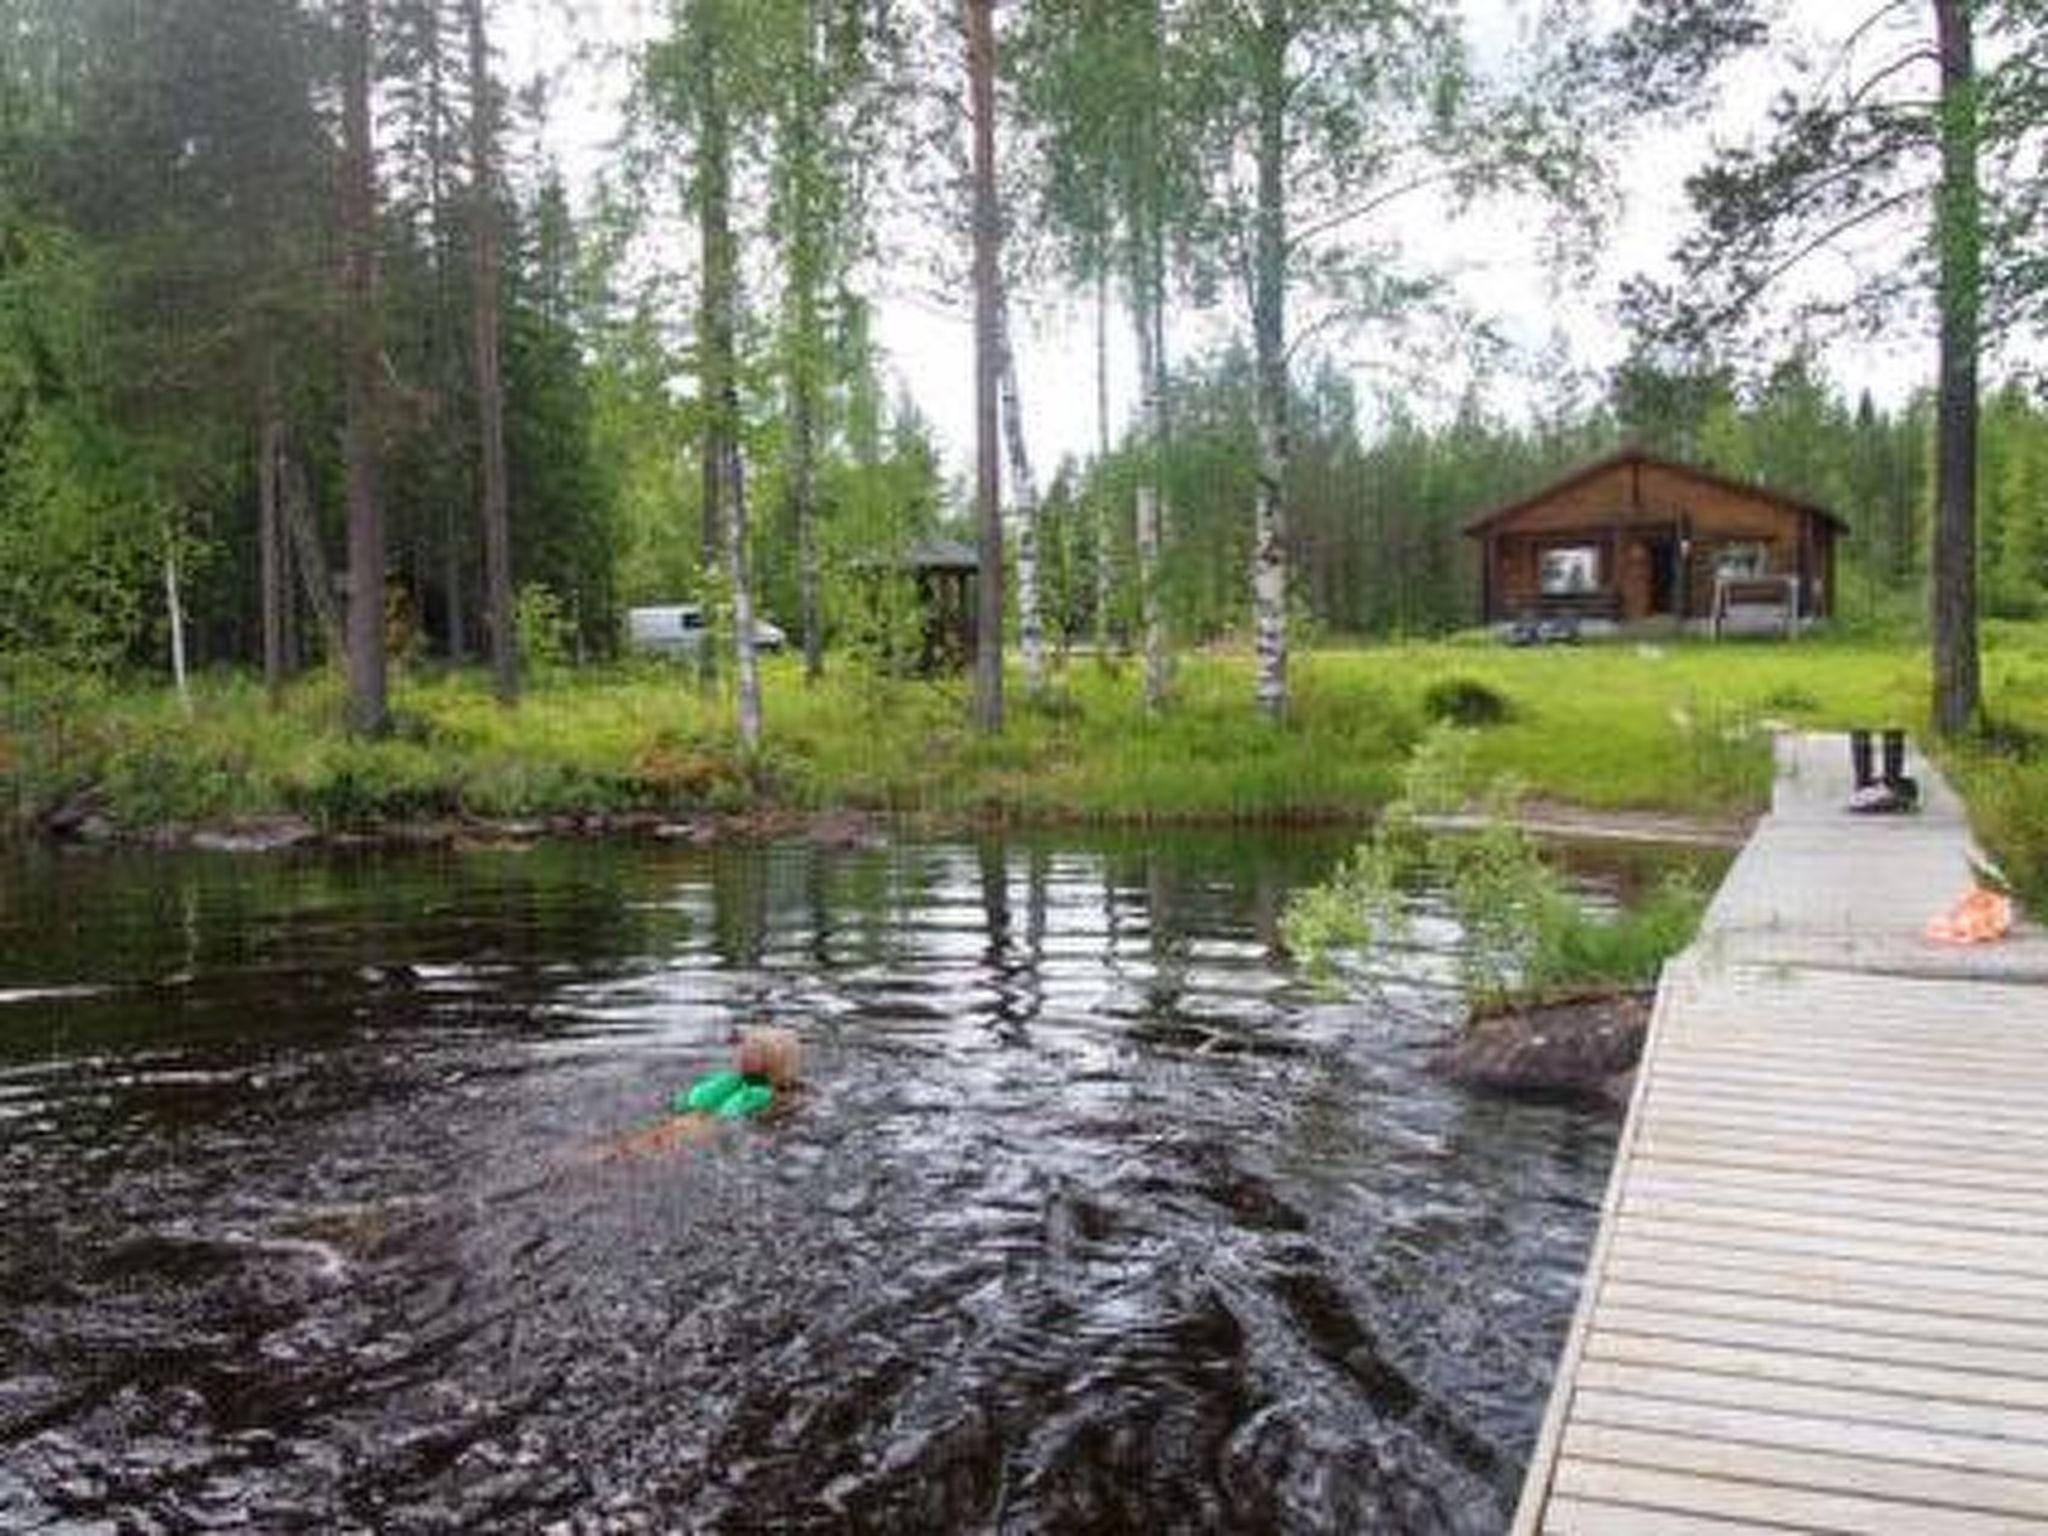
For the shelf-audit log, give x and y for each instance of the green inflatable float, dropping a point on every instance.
(728, 1094)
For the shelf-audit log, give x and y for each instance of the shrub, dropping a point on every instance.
(1789, 699)
(1466, 701)
(357, 785)
(1526, 936)
(547, 634)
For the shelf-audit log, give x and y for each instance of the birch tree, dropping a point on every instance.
(1314, 114)
(714, 37)
(701, 83)
(825, 69)
(988, 350)
(1024, 513)
(1098, 80)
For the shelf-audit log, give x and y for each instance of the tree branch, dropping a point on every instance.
(1371, 204)
(1917, 55)
(1820, 241)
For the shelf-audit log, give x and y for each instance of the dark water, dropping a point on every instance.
(1092, 1217)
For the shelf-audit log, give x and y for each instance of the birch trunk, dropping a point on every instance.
(1151, 496)
(746, 662)
(725, 479)
(369, 712)
(1269, 341)
(988, 343)
(1105, 570)
(715, 344)
(1960, 240)
(1024, 511)
(174, 606)
(490, 371)
(803, 474)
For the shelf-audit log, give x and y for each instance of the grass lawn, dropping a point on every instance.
(1671, 727)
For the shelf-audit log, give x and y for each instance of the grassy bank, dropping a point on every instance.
(1672, 727)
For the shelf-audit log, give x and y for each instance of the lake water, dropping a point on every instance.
(1092, 1216)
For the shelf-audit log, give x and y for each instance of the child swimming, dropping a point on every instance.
(767, 1066)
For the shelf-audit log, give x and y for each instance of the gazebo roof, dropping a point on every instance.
(942, 555)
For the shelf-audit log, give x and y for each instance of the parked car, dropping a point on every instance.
(678, 629)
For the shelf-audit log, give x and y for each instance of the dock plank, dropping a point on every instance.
(1818, 1298)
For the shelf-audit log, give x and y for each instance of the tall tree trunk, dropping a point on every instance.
(1269, 345)
(269, 543)
(1105, 547)
(1148, 311)
(315, 576)
(1150, 495)
(1024, 508)
(714, 234)
(988, 345)
(746, 661)
(803, 495)
(455, 628)
(368, 707)
(445, 363)
(804, 279)
(490, 372)
(1960, 237)
(174, 608)
(725, 484)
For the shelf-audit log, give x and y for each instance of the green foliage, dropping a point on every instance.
(547, 634)
(361, 785)
(1466, 701)
(1524, 935)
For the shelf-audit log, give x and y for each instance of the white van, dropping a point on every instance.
(675, 629)
(678, 629)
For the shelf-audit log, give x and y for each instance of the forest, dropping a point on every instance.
(311, 356)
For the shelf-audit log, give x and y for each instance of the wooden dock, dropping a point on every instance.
(1818, 1300)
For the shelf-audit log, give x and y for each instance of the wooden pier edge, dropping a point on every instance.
(1543, 1460)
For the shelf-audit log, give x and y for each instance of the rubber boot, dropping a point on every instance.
(1859, 759)
(1905, 791)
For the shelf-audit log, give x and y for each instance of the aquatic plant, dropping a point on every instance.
(1526, 937)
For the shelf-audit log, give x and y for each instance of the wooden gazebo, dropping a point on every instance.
(945, 571)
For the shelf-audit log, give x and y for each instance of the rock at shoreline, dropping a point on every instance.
(1582, 1048)
(268, 835)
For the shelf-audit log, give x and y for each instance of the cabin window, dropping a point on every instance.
(1736, 562)
(1571, 570)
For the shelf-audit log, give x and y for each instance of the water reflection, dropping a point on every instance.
(1091, 1216)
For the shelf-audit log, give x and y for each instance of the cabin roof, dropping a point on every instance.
(1635, 454)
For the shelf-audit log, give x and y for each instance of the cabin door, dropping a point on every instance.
(1663, 552)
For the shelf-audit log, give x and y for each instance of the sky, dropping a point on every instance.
(1558, 325)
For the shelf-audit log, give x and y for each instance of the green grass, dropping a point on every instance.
(1675, 727)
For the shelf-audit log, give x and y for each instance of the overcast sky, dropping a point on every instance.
(1491, 255)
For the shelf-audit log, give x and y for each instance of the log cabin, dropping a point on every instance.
(1633, 539)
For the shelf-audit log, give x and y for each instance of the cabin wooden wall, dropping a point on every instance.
(1623, 507)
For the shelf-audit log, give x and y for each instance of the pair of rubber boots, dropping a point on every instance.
(1886, 794)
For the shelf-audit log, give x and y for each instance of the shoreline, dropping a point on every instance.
(840, 827)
